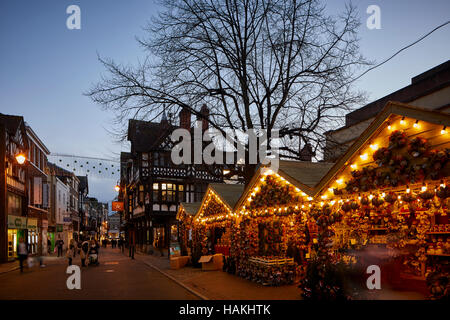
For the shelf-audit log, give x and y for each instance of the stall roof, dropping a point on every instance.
(391, 110)
(228, 193)
(190, 208)
(302, 174)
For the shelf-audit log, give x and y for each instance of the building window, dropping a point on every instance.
(145, 160)
(155, 192)
(14, 204)
(181, 193)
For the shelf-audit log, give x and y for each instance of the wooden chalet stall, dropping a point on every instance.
(215, 219)
(388, 196)
(185, 216)
(272, 234)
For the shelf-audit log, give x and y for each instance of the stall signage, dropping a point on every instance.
(32, 224)
(175, 249)
(16, 222)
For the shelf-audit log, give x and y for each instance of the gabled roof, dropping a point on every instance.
(302, 174)
(190, 208)
(390, 111)
(14, 124)
(228, 193)
(145, 135)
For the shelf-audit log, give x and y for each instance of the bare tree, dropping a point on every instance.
(257, 64)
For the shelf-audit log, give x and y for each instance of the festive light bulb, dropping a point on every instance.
(403, 122)
(371, 197)
(408, 190)
(20, 158)
(444, 131)
(364, 156)
(424, 188)
(416, 124)
(354, 166)
(383, 195)
(324, 196)
(389, 127)
(310, 198)
(330, 189)
(340, 181)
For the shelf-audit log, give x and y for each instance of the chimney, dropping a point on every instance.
(185, 119)
(307, 153)
(204, 111)
(164, 121)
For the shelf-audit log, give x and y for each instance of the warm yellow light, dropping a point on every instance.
(21, 158)
(226, 171)
(374, 147)
(324, 196)
(408, 190)
(389, 127)
(340, 181)
(117, 188)
(370, 197)
(330, 189)
(354, 166)
(310, 198)
(363, 156)
(424, 188)
(399, 197)
(333, 202)
(303, 194)
(444, 131)
(416, 124)
(402, 122)
(383, 195)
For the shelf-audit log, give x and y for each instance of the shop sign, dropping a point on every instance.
(32, 224)
(117, 206)
(16, 222)
(59, 228)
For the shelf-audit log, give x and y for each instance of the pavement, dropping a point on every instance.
(218, 285)
(117, 277)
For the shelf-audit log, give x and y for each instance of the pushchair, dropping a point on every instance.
(93, 257)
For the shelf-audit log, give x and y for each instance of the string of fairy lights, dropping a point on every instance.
(84, 165)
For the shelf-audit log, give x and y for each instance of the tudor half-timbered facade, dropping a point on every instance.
(152, 186)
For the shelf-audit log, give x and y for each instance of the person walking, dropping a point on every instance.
(22, 253)
(84, 253)
(49, 246)
(60, 246)
(70, 254)
(161, 245)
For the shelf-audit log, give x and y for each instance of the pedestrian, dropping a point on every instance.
(84, 253)
(49, 246)
(161, 245)
(70, 254)
(60, 246)
(22, 253)
(73, 244)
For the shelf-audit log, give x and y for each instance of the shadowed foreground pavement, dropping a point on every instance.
(117, 277)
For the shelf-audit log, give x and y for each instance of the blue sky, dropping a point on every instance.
(45, 67)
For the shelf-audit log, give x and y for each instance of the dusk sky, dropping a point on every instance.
(45, 67)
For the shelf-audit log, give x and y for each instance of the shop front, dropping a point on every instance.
(33, 235)
(17, 227)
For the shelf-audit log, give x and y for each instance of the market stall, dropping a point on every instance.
(215, 220)
(185, 215)
(386, 200)
(272, 237)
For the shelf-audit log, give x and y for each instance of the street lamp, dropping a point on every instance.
(117, 188)
(21, 158)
